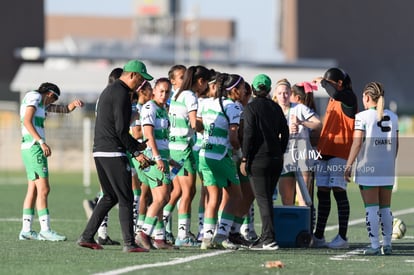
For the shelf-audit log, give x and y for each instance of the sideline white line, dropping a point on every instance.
(174, 262)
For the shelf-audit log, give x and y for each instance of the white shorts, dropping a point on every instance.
(330, 173)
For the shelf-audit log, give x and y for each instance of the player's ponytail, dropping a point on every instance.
(376, 91)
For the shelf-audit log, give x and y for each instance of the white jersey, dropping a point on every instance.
(216, 140)
(299, 153)
(181, 132)
(152, 114)
(34, 99)
(375, 164)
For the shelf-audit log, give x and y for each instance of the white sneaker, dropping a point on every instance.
(318, 243)
(338, 243)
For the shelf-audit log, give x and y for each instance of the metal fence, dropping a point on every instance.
(64, 134)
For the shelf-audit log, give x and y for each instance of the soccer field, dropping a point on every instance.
(68, 218)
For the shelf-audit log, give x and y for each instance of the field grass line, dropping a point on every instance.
(173, 262)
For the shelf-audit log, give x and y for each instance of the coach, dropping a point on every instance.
(111, 142)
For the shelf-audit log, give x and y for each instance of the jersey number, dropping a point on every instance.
(210, 131)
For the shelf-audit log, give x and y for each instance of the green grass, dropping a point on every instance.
(65, 203)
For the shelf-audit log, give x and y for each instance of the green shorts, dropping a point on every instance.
(154, 177)
(196, 155)
(219, 173)
(189, 166)
(135, 164)
(35, 162)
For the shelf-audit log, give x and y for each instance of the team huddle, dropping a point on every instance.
(152, 142)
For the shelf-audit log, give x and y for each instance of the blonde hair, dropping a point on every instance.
(281, 82)
(375, 90)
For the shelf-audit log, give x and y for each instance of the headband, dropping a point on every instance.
(142, 85)
(54, 93)
(283, 82)
(308, 87)
(235, 84)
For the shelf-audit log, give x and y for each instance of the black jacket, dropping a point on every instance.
(265, 132)
(113, 115)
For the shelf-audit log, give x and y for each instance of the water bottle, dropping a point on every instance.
(175, 167)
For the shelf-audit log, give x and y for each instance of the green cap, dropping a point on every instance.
(263, 80)
(137, 66)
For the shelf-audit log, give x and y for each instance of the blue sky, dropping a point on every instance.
(256, 23)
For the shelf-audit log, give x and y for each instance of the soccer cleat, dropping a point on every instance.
(338, 243)
(318, 243)
(227, 244)
(250, 235)
(192, 235)
(200, 236)
(107, 241)
(387, 250)
(169, 237)
(222, 242)
(206, 244)
(51, 235)
(89, 243)
(264, 245)
(238, 239)
(162, 244)
(372, 251)
(143, 240)
(134, 248)
(188, 241)
(30, 235)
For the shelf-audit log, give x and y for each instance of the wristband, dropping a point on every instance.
(41, 141)
(136, 153)
(156, 158)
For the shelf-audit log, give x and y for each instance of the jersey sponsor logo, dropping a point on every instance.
(385, 141)
(385, 124)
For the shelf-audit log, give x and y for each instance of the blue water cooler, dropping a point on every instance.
(292, 226)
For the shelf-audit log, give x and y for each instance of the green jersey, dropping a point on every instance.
(216, 142)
